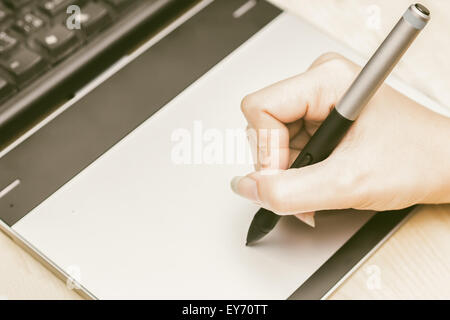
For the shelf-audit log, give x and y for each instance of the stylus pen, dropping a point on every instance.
(330, 133)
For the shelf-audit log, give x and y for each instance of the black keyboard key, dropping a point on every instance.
(7, 43)
(24, 65)
(5, 88)
(16, 4)
(58, 41)
(28, 23)
(53, 7)
(93, 17)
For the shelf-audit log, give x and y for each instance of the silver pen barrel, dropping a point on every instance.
(383, 61)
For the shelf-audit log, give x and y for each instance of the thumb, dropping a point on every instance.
(322, 186)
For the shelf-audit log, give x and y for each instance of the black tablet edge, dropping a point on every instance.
(351, 255)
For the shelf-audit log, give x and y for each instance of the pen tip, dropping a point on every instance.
(254, 234)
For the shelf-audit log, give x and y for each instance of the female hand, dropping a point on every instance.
(396, 154)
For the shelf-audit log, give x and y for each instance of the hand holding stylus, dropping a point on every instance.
(391, 158)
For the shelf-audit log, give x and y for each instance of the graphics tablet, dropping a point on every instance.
(119, 192)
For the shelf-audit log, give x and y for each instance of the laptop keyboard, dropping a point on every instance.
(35, 35)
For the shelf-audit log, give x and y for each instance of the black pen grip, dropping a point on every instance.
(318, 148)
(324, 140)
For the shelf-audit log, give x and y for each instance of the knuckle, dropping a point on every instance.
(335, 60)
(274, 195)
(327, 56)
(343, 65)
(249, 103)
(334, 63)
(353, 180)
(347, 180)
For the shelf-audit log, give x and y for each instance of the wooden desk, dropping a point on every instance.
(415, 262)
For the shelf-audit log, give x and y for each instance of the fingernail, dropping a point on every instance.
(245, 187)
(308, 218)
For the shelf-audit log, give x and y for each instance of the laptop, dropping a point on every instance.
(97, 100)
